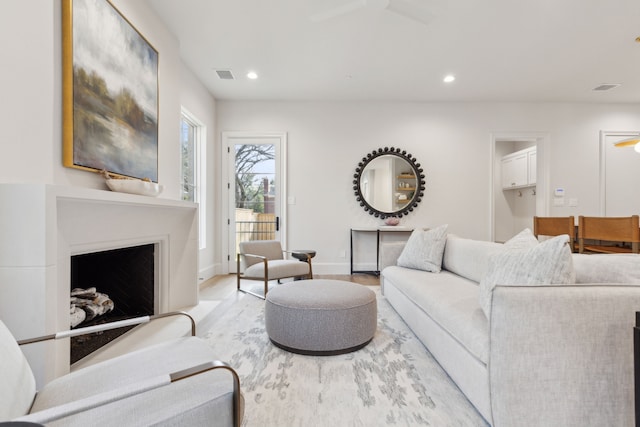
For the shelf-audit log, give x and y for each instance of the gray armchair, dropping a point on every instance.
(264, 260)
(178, 382)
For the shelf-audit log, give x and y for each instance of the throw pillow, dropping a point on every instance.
(549, 262)
(523, 240)
(424, 249)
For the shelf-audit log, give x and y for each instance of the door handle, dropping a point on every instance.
(277, 223)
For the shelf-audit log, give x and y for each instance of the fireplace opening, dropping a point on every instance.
(109, 286)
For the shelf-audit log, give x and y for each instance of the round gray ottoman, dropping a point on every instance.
(321, 317)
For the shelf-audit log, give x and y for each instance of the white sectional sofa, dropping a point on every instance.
(552, 355)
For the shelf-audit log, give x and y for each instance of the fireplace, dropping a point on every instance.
(108, 286)
(43, 226)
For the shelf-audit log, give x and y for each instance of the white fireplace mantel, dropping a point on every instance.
(42, 226)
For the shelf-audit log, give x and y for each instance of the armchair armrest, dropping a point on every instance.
(264, 258)
(108, 326)
(562, 354)
(91, 402)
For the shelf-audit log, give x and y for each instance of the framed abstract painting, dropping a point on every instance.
(110, 92)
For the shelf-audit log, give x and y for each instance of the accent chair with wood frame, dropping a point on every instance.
(609, 235)
(177, 382)
(264, 260)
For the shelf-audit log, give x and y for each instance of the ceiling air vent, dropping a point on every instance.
(225, 74)
(606, 86)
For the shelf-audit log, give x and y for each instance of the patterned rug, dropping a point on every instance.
(393, 381)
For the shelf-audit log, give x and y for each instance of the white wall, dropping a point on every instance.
(451, 141)
(30, 91)
(31, 102)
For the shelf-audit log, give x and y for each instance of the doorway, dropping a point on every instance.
(255, 187)
(619, 175)
(512, 210)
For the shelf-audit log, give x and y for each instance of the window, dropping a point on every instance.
(192, 149)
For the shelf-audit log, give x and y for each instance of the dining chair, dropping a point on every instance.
(608, 234)
(264, 260)
(555, 226)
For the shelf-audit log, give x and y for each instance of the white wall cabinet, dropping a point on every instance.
(519, 169)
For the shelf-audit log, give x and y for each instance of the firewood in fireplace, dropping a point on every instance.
(77, 315)
(92, 302)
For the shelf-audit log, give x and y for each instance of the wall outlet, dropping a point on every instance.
(558, 201)
(573, 202)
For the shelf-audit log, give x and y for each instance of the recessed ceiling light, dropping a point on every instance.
(449, 78)
(252, 75)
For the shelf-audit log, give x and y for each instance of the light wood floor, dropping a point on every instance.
(219, 288)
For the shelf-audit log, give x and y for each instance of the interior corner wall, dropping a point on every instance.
(195, 98)
(452, 141)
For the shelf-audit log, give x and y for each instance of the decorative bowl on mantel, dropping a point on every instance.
(135, 186)
(132, 185)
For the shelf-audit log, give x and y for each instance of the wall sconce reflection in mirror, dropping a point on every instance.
(388, 182)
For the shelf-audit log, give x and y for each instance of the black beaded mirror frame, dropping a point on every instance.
(420, 182)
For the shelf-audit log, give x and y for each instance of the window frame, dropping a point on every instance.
(199, 173)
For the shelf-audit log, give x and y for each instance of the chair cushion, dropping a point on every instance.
(271, 249)
(18, 386)
(278, 269)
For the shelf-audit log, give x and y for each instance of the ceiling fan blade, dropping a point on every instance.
(340, 9)
(411, 9)
(627, 142)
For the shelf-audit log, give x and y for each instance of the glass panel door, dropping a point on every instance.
(254, 191)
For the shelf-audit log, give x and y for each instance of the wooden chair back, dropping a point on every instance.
(555, 226)
(615, 234)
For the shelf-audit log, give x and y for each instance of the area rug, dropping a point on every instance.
(392, 381)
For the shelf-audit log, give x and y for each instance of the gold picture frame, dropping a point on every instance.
(110, 92)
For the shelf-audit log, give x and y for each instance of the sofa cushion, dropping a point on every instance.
(450, 300)
(424, 249)
(550, 262)
(468, 258)
(607, 268)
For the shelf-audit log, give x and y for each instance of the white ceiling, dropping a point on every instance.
(499, 50)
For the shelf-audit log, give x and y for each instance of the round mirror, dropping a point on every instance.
(388, 183)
